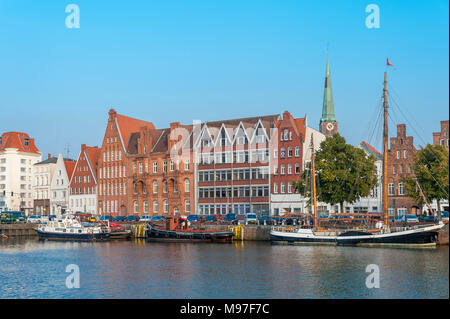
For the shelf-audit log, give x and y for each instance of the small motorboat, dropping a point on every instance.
(118, 231)
(70, 228)
(176, 229)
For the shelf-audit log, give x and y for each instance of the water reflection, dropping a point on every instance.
(139, 269)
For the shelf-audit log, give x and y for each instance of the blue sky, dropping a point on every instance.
(166, 61)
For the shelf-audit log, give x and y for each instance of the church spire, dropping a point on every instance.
(328, 123)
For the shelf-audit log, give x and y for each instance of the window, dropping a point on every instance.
(289, 169)
(166, 206)
(187, 205)
(165, 186)
(186, 185)
(283, 153)
(282, 188)
(275, 170)
(391, 189)
(282, 170)
(398, 154)
(394, 169)
(186, 165)
(297, 168)
(155, 167)
(290, 187)
(136, 207)
(290, 152)
(171, 165)
(140, 168)
(155, 206)
(404, 154)
(275, 154)
(401, 189)
(297, 151)
(155, 187)
(146, 207)
(165, 166)
(275, 188)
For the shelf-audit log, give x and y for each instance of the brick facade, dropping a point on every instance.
(400, 161)
(441, 138)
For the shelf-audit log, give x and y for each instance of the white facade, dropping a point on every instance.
(42, 176)
(16, 179)
(59, 189)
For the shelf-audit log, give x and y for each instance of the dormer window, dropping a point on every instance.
(27, 141)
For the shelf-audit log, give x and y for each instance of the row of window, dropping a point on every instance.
(282, 188)
(112, 172)
(402, 169)
(81, 191)
(82, 179)
(289, 169)
(172, 165)
(236, 175)
(236, 191)
(254, 156)
(111, 206)
(391, 189)
(222, 209)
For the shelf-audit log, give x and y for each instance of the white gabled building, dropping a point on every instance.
(18, 154)
(59, 187)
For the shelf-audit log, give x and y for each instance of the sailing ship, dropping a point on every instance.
(175, 229)
(384, 235)
(70, 228)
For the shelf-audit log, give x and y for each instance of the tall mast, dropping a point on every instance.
(313, 173)
(385, 154)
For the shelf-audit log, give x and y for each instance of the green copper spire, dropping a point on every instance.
(328, 106)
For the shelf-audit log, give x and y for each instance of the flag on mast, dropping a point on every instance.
(388, 63)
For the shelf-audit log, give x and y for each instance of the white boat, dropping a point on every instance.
(70, 228)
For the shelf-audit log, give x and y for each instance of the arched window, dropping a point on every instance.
(187, 185)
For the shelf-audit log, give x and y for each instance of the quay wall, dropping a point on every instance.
(17, 230)
(443, 236)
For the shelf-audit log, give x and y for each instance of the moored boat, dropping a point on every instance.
(70, 228)
(174, 230)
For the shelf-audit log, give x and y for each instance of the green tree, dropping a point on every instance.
(344, 173)
(430, 171)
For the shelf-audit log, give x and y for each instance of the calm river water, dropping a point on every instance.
(137, 269)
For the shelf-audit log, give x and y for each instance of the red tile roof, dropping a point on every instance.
(70, 165)
(128, 125)
(371, 149)
(17, 140)
(301, 127)
(92, 154)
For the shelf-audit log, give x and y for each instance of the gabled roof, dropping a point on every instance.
(92, 153)
(371, 149)
(17, 140)
(70, 165)
(128, 125)
(301, 127)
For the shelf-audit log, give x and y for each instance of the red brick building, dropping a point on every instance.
(441, 138)
(400, 161)
(161, 172)
(113, 163)
(83, 184)
(286, 163)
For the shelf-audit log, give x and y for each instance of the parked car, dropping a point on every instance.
(240, 219)
(444, 215)
(193, 218)
(119, 219)
(430, 218)
(157, 218)
(409, 219)
(210, 218)
(145, 218)
(34, 219)
(132, 218)
(106, 217)
(230, 217)
(266, 219)
(251, 218)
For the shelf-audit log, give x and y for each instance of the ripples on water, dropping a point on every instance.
(137, 269)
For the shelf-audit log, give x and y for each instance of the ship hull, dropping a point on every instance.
(156, 234)
(303, 237)
(69, 236)
(426, 237)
